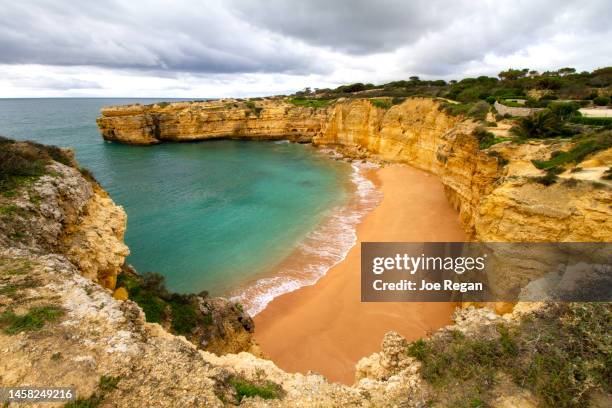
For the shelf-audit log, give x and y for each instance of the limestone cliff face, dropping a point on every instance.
(63, 212)
(417, 133)
(95, 242)
(495, 202)
(185, 121)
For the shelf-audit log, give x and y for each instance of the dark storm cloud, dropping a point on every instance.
(353, 26)
(173, 36)
(430, 37)
(443, 34)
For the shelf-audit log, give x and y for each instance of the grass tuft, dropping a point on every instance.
(34, 319)
(310, 103)
(561, 354)
(247, 389)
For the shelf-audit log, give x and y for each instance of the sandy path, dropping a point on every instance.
(325, 328)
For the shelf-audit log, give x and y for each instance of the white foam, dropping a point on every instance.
(322, 249)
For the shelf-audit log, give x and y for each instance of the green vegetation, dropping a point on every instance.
(607, 122)
(586, 145)
(23, 162)
(561, 355)
(253, 108)
(564, 110)
(34, 319)
(310, 103)
(601, 101)
(108, 383)
(18, 266)
(381, 103)
(162, 104)
(563, 84)
(245, 388)
(501, 160)
(12, 210)
(477, 111)
(540, 125)
(550, 177)
(10, 289)
(105, 385)
(397, 100)
(487, 139)
(159, 305)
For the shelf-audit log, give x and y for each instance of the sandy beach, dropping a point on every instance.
(325, 328)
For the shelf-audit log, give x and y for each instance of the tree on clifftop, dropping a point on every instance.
(513, 74)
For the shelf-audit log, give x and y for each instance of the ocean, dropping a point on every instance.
(224, 216)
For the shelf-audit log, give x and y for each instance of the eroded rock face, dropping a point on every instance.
(95, 243)
(63, 212)
(97, 335)
(184, 121)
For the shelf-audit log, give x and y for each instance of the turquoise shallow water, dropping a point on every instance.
(207, 215)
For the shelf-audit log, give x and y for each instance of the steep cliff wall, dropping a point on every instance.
(492, 189)
(495, 202)
(187, 121)
(63, 212)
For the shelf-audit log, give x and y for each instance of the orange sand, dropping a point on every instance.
(325, 327)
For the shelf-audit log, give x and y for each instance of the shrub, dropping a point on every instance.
(561, 354)
(253, 108)
(601, 101)
(501, 160)
(479, 110)
(586, 146)
(20, 161)
(585, 120)
(34, 319)
(381, 103)
(487, 139)
(549, 97)
(159, 305)
(541, 124)
(564, 110)
(491, 99)
(244, 388)
(310, 103)
(455, 109)
(397, 100)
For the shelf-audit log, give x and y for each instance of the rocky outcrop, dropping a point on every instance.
(188, 121)
(95, 243)
(96, 338)
(63, 212)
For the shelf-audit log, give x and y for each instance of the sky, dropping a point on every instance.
(241, 48)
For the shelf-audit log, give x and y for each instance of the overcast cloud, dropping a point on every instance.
(246, 47)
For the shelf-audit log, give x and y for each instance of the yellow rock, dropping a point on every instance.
(120, 293)
(501, 308)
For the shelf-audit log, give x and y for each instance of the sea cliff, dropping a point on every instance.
(493, 189)
(61, 249)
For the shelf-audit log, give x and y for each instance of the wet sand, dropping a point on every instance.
(325, 328)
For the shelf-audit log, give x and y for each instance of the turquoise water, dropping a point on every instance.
(207, 215)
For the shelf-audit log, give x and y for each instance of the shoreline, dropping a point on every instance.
(322, 249)
(329, 316)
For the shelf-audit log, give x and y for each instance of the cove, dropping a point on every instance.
(206, 215)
